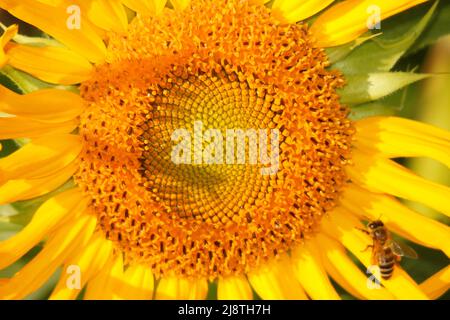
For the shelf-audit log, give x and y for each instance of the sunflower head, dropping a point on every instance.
(242, 70)
(164, 138)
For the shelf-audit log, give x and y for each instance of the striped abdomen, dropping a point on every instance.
(386, 262)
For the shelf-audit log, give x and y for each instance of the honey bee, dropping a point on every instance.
(385, 251)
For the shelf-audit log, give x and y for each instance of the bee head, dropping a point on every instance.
(377, 230)
(375, 224)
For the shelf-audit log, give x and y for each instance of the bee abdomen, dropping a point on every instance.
(386, 265)
(386, 270)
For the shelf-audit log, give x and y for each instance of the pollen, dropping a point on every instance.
(228, 65)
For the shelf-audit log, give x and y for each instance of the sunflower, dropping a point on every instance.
(118, 77)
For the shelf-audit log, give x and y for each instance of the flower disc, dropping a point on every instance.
(228, 65)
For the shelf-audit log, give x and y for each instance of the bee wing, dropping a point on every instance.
(403, 250)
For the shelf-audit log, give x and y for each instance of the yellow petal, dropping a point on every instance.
(397, 217)
(107, 281)
(275, 280)
(34, 274)
(49, 105)
(57, 22)
(174, 288)
(292, 11)
(146, 7)
(107, 14)
(234, 288)
(25, 189)
(344, 271)
(259, 1)
(343, 227)
(51, 64)
(52, 2)
(394, 137)
(41, 157)
(19, 127)
(347, 20)
(88, 261)
(7, 35)
(385, 176)
(180, 4)
(437, 284)
(136, 284)
(308, 268)
(50, 215)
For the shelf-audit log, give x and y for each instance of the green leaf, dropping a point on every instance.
(438, 27)
(8, 147)
(390, 105)
(36, 41)
(362, 88)
(23, 82)
(371, 110)
(6, 210)
(338, 53)
(7, 227)
(382, 52)
(9, 83)
(33, 41)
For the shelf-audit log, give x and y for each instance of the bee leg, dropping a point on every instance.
(363, 230)
(368, 246)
